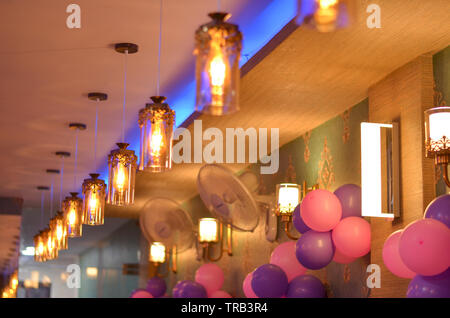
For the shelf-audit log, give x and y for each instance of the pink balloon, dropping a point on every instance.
(392, 259)
(284, 256)
(321, 210)
(210, 276)
(352, 236)
(424, 247)
(342, 258)
(220, 294)
(247, 286)
(141, 294)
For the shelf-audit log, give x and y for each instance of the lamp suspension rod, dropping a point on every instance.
(96, 127)
(158, 79)
(125, 68)
(76, 157)
(61, 182)
(42, 208)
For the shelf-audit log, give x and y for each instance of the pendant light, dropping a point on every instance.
(52, 244)
(73, 205)
(58, 223)
(156, 122)
(218, 47)
(40, 251)
(122, 162)
(93, 188)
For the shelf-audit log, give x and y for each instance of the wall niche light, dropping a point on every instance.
(437, 138)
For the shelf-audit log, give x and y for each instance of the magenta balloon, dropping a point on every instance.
(247, 286)
(284, 256)
(220, 294)
(321, 210)
(392, 259)
(342, 258)
(350, 197)
(210, 276)
(424, 247)
(141, 293)
(439, 209)
(352, 236)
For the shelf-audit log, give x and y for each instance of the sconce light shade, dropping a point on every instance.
(156, 121)
(94, 192)
(208, 230)
(325, 15)
(288, 197)
(122, 174)
(437, 131)
(73, 214)
(58, 227)
(157, 253)
(218, 47)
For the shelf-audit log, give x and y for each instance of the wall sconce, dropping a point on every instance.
(288, 197)
(380, 170)
(325, 15)
(210, 231)
(159, 255)
(437, 137)
(218, 47)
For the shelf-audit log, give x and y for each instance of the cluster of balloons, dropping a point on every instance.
(209, 279)
(156, 288)
(332, 230)
(421, 251)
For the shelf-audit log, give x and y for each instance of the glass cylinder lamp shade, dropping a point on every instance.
(73, 214)
(437, 134)
(58, 226)
(50, 241)
(94, 195)
(122, 174)
(208, 230)
(39, 248)
(325, 15)
(157, 253)
(288, 197)
(218, 47)
(156, 122)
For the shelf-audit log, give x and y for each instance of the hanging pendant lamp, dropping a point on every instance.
(93, 188)
(156, 123)
(122, 162)
(218, 47)
(52, 243)
(59, 222)
(40, 251)
(73, 205)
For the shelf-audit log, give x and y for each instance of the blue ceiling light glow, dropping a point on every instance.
(259, 22)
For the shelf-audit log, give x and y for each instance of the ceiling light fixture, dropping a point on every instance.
(59, 221)
(218, 47)
(93, 188)
(52, 243)
(156, 122)
(39, 245)
(122, 162)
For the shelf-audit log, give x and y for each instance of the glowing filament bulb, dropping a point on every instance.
(327, 12)
(217, 71)
(157, 140)
(72, 218)
(325, 4)
(93, 201)
(120, 178)
(40, 248)
(59, 232)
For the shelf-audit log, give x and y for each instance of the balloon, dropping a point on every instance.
(141, 293)
(284, 257)
(352, 236)
(314, 250)
(321, 210)
(306, 286)
(210, 276)
(156, 286)
(424, 247)
(269, 281)
(298, 222)
(439, 209)
(342, 258)
(220, 294)
(188, 289)
(247, 286)
(350, 197)
(430, 286)
(392, 259)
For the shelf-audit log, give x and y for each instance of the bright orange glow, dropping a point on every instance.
(326, 14)
(59, 231)
(325, 4)
(157, 143)
(217, 71)
(72, 217)
(93, 202)
(120, 178)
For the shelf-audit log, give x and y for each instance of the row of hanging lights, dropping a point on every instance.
(218, 46)
(10, 290)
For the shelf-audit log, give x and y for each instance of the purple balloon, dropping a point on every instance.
(156, 286)
(306, 286)
(298, 221)
(439, 209)
(269, 281)
(350, 197)
(437, 286)
(189, 289)
(315, 250)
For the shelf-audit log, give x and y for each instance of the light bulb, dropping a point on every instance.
(157, 140)
(217, 71)
(93, 202)
(59, 232)
(120, 178)
(326, 14)
(72, 218)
